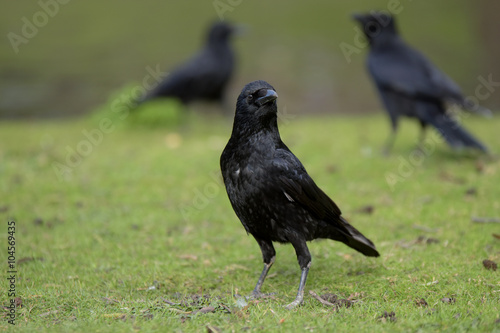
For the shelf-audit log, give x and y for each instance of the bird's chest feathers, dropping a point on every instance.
(249, 171)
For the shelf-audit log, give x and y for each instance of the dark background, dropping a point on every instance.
(87, 50)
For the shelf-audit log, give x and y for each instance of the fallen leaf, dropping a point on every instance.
(449, 300)
(25, 259)
(490, 264)
(18, 302)
(421, 302)
(431, 240)
(204, 310)
(471, 191)
(480, 166)
(38, 221)
(332, 168)
(368, 209)
(391, 316)
(225, 308)
(355, 296)
(332, 300)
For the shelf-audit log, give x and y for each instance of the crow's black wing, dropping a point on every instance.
(203, 76)
(298, 187)
(404, 70)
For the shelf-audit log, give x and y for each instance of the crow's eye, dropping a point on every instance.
(249, 98)
(372, 28)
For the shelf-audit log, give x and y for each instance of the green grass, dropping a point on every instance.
(147, 208)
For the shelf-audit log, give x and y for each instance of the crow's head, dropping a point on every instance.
(375, 24)
(256, 108)
(257, 101)
(220, 32)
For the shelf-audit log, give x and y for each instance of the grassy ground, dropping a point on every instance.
(142, 217)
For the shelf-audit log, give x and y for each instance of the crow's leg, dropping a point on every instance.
(421, 137)
(268, 255)
(386, 150)
(304, 259)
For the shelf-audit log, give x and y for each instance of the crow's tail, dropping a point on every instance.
(357, 241)
(456, 136)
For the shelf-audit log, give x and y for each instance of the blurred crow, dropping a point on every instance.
(206, 75)
(410, 85)
(271, 192)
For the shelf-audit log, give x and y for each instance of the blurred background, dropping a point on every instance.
(76, 54)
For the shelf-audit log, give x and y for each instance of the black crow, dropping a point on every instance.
(206, 75)
(410, 85)
(271, 192)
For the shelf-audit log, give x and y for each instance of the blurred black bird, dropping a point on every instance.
(410, 85)
(271, 192)
(206, 75)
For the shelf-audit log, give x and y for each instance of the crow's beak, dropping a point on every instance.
(270, 96)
